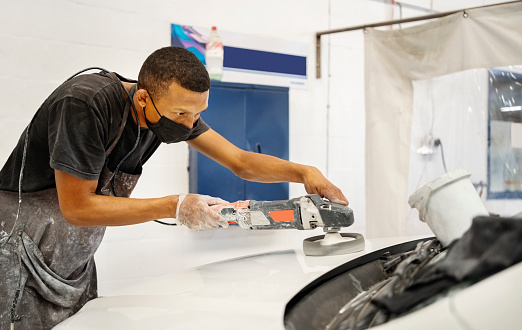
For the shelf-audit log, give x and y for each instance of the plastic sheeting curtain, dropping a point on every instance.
(396, 61)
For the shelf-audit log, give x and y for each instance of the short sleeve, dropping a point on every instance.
(200, 128)
(76, 136)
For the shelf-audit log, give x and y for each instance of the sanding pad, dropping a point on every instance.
(333, 244)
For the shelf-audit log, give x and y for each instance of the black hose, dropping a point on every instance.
(437, 143)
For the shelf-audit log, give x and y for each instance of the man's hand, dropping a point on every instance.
(194, 212)
(316, 183)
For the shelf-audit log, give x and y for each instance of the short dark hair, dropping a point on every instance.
(173, 64)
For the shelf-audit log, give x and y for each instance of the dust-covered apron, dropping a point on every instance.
(46, 264)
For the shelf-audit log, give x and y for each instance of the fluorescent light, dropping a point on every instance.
(508, 109)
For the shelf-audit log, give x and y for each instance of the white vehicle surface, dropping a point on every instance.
(252, 293)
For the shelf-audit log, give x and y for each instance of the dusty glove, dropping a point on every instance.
(194, 212)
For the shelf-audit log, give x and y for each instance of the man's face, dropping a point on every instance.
(179, 104)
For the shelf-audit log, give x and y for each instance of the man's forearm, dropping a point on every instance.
(98, 210)
(265, 168)
(81, 206)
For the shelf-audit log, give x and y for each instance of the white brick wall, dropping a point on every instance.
(43, 42)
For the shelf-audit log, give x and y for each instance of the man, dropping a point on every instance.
(82, 153)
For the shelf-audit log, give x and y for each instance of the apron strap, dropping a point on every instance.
(126, 110)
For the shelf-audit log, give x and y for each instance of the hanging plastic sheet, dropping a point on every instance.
(470, 120)
(505, 133)
(441, 70)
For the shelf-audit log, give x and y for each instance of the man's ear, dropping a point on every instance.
(141, 96)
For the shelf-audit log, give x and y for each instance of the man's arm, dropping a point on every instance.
(264, 168)
(81, 206)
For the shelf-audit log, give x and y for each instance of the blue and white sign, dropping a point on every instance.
(249, 59)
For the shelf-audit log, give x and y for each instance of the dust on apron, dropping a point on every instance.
(47, 265)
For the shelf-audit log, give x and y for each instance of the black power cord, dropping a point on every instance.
(437, 143)
(480, 185)
(165, 223)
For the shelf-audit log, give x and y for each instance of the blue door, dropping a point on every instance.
(254, 118)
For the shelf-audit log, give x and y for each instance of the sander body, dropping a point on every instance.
(302, 213)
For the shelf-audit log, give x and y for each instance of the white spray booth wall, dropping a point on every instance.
(44, 42)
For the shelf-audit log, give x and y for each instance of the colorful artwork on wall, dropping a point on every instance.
(187, 37)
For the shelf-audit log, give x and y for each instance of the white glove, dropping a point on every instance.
(194, 212)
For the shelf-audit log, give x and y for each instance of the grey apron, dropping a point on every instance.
(47, 265)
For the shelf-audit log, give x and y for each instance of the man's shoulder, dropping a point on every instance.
(89, 88)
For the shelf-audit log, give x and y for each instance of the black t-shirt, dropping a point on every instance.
(71, 132)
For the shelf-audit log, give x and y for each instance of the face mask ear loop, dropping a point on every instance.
(154, 104)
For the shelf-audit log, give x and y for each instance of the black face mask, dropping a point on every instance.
(168, 131)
